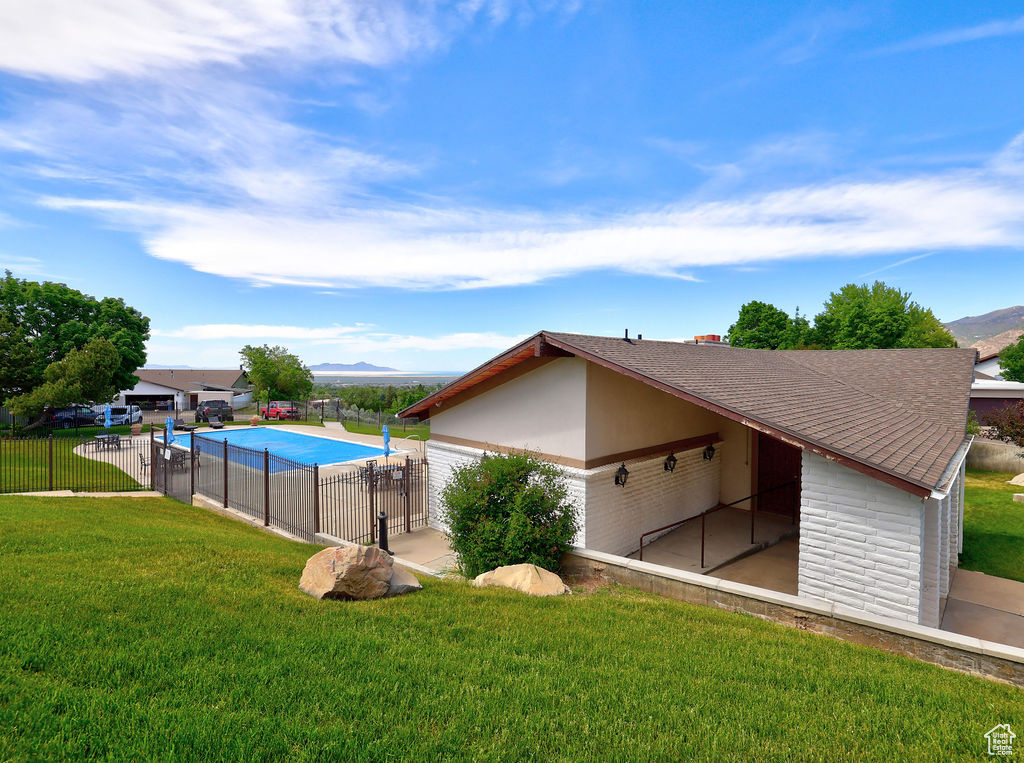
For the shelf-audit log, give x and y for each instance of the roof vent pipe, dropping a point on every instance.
(639, 337)
(627, 335)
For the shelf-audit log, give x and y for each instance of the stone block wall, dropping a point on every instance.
(861, 541)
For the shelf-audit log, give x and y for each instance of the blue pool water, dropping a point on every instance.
(297, 447)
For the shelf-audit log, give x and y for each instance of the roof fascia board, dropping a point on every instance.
(422, 407)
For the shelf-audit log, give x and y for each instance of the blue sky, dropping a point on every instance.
(419, 185)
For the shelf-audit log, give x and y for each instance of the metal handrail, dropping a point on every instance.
(713, 509)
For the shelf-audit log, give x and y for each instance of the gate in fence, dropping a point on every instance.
(278, 492)
(351, 501)
(171, 471)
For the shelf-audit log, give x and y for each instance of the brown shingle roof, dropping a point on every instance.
(900, 412)
(186, 379)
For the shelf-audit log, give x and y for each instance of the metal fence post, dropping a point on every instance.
(316, 498)
(266, 487)
(50, 469)
(371, 478)
(225, 472)
(192, 466)
(152, 458)
(408, 482)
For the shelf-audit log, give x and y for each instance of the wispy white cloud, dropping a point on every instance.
(21, 266)
(459, 247)
(256, 331)
(988, 30)
(904, 261)
(316, 342)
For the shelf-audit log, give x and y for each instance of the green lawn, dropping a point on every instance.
(993, 525)
(396, 429)
(145, 628)
(24, 467)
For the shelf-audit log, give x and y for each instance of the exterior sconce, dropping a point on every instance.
(621, 474)
(709, 452)
(670, 462)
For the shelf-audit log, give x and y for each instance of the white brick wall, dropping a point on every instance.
(617, 516)
(861, 541)
(612, 518)
(443, 457)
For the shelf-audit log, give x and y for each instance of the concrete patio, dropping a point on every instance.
(985, 607)
(726, 537)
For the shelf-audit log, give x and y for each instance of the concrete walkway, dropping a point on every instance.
(425, 546)
(726, 536)
(775, 568)
(985, 607)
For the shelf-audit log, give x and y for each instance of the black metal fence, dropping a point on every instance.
(107, 463)
(351, 501)
(289, 495)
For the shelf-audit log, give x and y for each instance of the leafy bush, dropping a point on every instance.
(508, 509)
(973, 425)
(1008, 424)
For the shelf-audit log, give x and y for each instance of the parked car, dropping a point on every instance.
(219, 408)
(72, 416)
(120, 414)
(279, 409)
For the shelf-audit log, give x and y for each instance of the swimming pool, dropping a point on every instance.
(299, 447)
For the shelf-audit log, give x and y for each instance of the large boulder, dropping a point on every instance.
(528, 578)
(402, 581)
(347, 572)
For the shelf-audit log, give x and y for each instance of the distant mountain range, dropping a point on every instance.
(361, 366)
(990, 332)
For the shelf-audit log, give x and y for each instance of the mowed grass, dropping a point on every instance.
(25, 466)
(993, 525)
(145, 628)
(395, 430)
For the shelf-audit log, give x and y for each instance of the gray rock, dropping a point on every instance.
(402, 581)
(347, 572)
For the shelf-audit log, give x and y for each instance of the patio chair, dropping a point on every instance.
(215, 422)
(143, 462)
(181, 426)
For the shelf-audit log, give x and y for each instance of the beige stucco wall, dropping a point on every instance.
(543, 410)
(624, 414)
(576, 409)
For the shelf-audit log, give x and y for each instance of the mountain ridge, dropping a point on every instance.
(362, 365)
(972, 330)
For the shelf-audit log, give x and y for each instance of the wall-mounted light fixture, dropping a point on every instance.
(709, 452)
(621, 475)
(670, 462)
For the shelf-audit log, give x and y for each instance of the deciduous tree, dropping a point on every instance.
(85, 375)
(1011, 360)
(42, 323)
(275, 372)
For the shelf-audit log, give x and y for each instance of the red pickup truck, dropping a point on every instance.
(278, 409)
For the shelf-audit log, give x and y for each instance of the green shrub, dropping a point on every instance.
(508, 509)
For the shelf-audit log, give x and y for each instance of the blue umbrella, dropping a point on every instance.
(387, 441)
(169, 431)
(106, 416)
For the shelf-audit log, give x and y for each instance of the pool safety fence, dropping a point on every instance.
(105, 462)
(291, 496)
